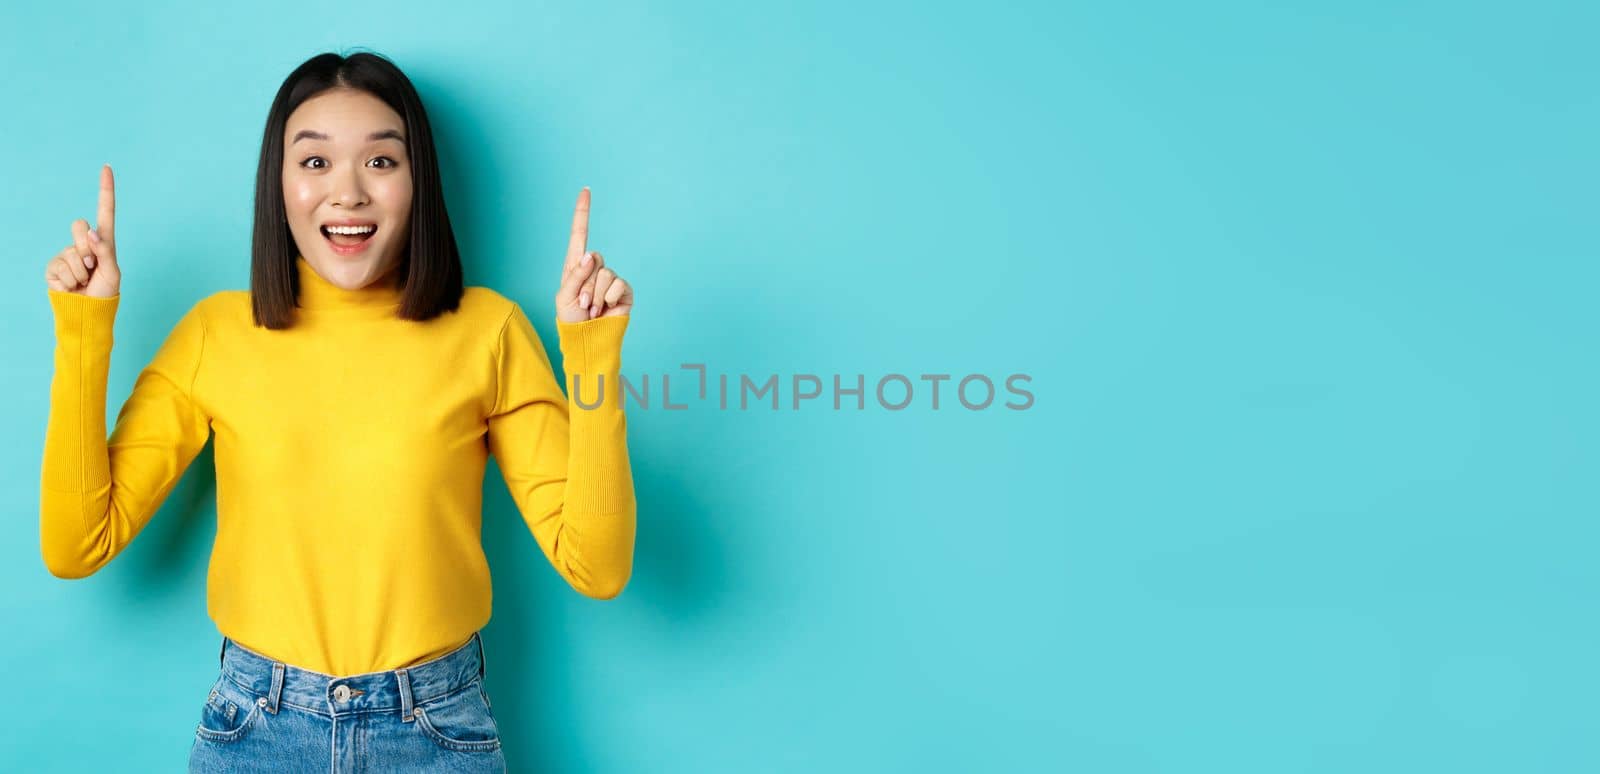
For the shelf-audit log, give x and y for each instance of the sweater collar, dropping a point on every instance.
(318, 293)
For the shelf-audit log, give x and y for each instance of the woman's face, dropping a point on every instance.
(344, 165)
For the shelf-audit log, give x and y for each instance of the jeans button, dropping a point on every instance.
(342, 693)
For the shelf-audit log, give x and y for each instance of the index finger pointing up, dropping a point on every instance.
(105, 224)
(580, 229)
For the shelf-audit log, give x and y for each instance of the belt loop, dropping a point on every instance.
(404, 679)
(482, 663)
(276, 693)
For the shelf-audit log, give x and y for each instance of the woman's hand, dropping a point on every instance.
(589, 289)
(89, 265)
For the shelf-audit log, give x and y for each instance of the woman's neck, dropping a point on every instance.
(317, 292)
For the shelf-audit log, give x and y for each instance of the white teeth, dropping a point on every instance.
(350, 230)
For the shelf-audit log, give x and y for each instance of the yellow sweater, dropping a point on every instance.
(350, 453)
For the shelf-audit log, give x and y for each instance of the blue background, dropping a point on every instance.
(1306, 294)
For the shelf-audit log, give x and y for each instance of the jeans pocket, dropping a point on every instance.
(460, 721)
(229, 712)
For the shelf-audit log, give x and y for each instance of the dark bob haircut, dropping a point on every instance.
(431, 264)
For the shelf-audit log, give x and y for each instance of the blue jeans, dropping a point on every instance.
(267, 716)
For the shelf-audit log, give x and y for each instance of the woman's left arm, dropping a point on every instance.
(565, 457)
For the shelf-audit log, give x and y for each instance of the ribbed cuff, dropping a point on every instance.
(86, 321)
(592, 346)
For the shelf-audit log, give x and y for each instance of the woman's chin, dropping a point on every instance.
(348, 272)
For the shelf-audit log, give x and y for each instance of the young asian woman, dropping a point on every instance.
(354, 393)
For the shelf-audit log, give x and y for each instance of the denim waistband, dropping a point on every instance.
(395, 689)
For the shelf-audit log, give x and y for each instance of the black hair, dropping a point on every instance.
(431, 263)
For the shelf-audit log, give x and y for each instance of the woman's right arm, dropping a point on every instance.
(95, 494)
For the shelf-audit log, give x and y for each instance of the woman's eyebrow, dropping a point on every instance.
(311, 134)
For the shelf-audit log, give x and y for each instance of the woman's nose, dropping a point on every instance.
(350, 192)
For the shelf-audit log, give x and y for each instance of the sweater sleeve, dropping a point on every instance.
(96, 493)
(567, 465)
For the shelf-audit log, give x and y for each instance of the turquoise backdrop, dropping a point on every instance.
(1305, 292)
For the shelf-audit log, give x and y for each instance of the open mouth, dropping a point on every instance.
(349, 236)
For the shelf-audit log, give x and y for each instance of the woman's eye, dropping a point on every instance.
(308, 162)
(391, 163)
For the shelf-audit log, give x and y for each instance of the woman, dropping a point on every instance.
(355, 391)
